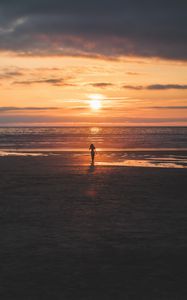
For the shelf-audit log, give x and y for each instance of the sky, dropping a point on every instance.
(107, 62)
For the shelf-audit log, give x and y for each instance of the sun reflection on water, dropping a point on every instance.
(95, 130)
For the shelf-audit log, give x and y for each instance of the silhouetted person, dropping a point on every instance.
(92, 152)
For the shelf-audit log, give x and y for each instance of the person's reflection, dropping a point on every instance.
(91, 167)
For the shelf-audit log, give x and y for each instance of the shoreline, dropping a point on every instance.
(143, 159)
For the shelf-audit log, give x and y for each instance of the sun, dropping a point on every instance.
(95, 101)
(95, 104)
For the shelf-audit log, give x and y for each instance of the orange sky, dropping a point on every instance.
(59, 90)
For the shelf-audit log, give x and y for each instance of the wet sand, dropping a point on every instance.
(81, 232)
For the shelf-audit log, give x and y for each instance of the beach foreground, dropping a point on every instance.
(84, 232)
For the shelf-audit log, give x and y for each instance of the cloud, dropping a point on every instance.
(133, 73)
(133, 87)
(10, 74)
(101, 84)
(157, 87)
(12, 120)
(141, 121)
(79, 108)
(107, 28)
(168, 107)
(12, 108)
(51, 81)
(167, 87)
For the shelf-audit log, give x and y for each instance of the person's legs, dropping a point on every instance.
(92, 155)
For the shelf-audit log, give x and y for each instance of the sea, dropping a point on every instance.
(164, 147)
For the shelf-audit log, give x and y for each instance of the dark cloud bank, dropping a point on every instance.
(157, 87)
(108, 28)
(14, 108)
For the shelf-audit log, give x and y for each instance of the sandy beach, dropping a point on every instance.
(81, 232)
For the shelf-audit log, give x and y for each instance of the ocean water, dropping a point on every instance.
(118, 146)
(64, 138)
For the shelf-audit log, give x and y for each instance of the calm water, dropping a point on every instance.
(75, 138)
(118, 146)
